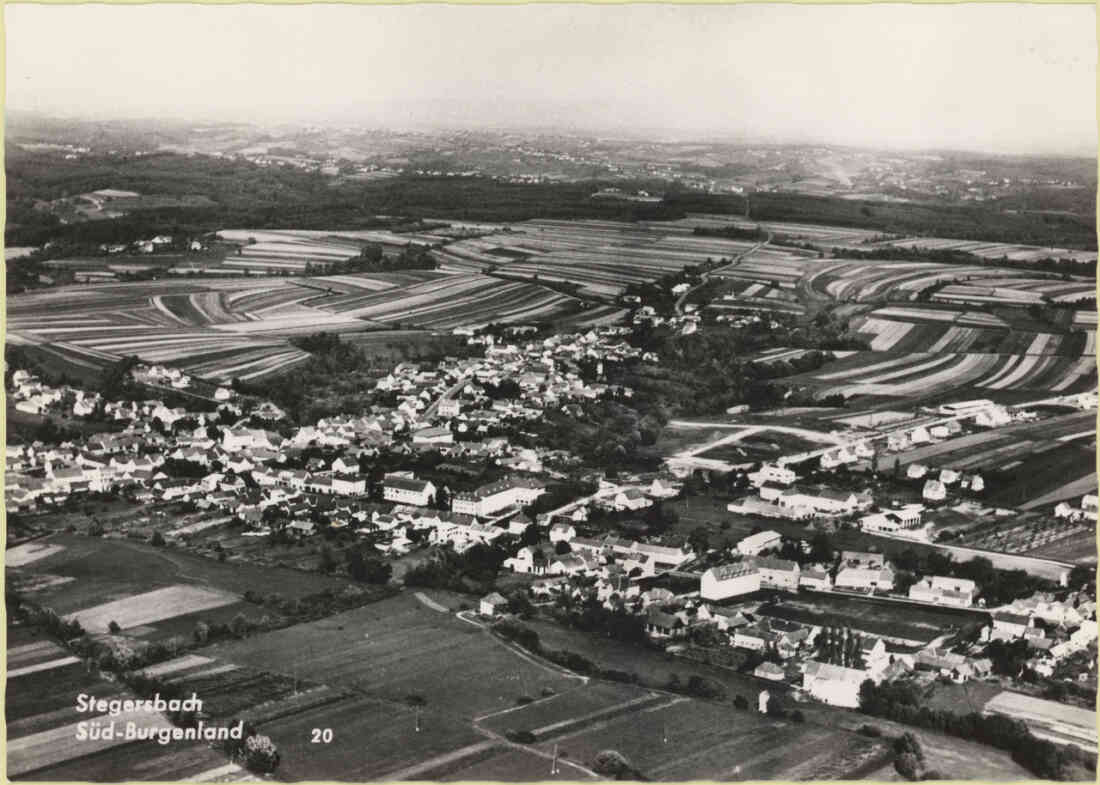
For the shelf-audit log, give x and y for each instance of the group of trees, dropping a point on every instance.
(841, 647)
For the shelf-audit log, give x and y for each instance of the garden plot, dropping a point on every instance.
(28, 553)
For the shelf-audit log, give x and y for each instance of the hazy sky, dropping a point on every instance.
(1004, 77)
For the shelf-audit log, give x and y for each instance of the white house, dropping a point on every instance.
(934, 491)
(768, 473)
(562, 532)
(944, 591)
(834, 684)
(778, 574)
(492, 605)
(754, 544)
(408, 490)
(863, 578)
(729, 580)
(916, 471)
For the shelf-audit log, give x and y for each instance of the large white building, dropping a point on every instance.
(497, 496)
(406, 489)
(834, 684)
(894, 520)
(779, 475)
(729, 580)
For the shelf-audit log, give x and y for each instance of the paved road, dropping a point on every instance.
(430, 411)
(706, 276)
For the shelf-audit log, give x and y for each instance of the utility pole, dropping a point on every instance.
(554, 763)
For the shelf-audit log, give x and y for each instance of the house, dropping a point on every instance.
(778, 574)
(865, 578)
(894, 520)
(1010, 625)
(404, 488)
(519, 524)
(934, 491)
(659, 624)
(631, 499)
(430, 436)
(944, 591)
(562, 532)
(1089, 507)
(755, 544)
(777, 475)
(729, 580)
(755, 638)
(348, 486)
(449, 407)
(817, 580)
(302, 528)
(492, 605)
(530, 560)
(920, 435)
(769, 671)
(567, 564)
(833, 684)
(916, 471)
(661, 489)
(344, 465)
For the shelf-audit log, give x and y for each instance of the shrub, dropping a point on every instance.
(907, 766)
(113, 627)
(870, 730)
(201, 634)
(798, 716)
(260, 754)
(520, 736)
(239, 626)
(157, 539)
(740, 702)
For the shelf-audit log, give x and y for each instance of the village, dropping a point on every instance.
(793, 610)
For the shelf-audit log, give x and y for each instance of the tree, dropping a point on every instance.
(740, 702)
(328, 559)
(239, 625)
(113, 627)
(907, 766)
(367, 569)
(562, 547)
(699, 539)
(157, 539)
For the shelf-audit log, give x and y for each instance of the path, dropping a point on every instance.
(435, 606)
(679, 306)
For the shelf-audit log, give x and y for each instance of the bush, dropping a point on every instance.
(520, 736)
(740, 702)
(798, 716)
(870, 730)
(907, 766)
(610, 763)
(239, 626)
(201, 633)
(523, 700)
(260, 754)
(157, 539)
(113, 627)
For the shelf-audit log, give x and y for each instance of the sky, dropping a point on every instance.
(1006, 78)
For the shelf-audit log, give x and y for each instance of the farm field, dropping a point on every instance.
(456, 300)
(149, 607)
(1020, 253)
(602, 256)
(923, 374)
(103, 570)
(712, 741)
(880, 618)
(397, 647)
(41, 727)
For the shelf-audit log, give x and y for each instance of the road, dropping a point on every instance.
(454, 388)
(679, 307)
